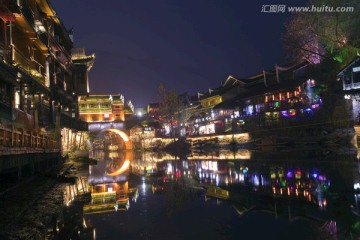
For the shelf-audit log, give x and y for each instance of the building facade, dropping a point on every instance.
(102, 108)
(39, 81)
(350, 77)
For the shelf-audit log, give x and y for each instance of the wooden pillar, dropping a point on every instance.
(12, 135)
(21, 97)
(22, 137)
(31, 139)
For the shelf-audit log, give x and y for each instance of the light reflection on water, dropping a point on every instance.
(292, 184)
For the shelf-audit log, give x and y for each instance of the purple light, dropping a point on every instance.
(284, 113)
(315, 106)
(314, 175)
(289, 175)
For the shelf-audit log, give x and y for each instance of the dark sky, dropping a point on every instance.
(189, 45)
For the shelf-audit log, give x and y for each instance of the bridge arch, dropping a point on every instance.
(123, 136)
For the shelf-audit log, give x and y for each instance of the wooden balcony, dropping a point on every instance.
(30, 66)
(19, 138)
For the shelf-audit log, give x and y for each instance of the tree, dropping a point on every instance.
(169, 106)
(173, 109)
(333, 35)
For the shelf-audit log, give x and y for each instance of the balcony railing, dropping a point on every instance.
(11, 137)
(355, 85)
(31, 66)
(22, 119)
(95, 110)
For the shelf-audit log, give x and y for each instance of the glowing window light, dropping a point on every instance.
(356, 186)
(292, 112)
(169, 168)
(241, 177)
(256, 180)
(263, 180)
(284, 113)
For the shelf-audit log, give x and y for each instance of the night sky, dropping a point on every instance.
(189, 45)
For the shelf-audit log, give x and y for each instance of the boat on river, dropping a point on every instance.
(217, 192)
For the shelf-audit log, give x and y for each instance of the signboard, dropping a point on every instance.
(356, 69)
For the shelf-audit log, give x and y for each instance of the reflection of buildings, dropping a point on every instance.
(114, 167)
(148, 162)
(275, 180)
(243, 154)
(71, 191)
(108, 197)
(108, 182)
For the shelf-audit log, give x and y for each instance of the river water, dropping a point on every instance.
(311, 192)
(308, 193)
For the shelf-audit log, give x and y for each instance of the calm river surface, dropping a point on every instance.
(268, 193)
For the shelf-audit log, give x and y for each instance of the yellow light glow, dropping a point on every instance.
(120, 133)
(123, 168)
